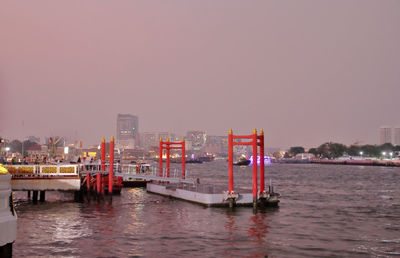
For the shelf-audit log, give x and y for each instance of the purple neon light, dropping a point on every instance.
(267, 161)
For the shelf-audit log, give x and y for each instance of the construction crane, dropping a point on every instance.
(53, 145)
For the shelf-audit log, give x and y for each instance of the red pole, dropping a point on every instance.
(103, 154)
(254, 166)
(103, 182)
(262, 161)
(167, 158)
(98, 182)
(88, 181)
(111, 173)
(183, 158)
(230, 160)
(160, 159)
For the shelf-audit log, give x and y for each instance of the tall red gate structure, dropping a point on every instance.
(98, 180)
(256, 140)
(167, 145)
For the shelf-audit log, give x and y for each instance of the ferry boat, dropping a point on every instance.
(242, 161)
(8, 216)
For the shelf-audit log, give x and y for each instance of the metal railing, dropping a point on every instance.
(197, 187)
(149, 173)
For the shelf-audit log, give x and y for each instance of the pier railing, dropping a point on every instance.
(42, 170)
(154, 175)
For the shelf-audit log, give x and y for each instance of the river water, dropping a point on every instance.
(325, 211)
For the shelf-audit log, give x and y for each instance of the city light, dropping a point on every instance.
(267, 161)
(7, 148)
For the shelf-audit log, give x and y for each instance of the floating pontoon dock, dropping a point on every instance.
(208, 195)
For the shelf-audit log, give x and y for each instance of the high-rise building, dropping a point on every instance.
(198, 139)
(385, 133)
(396, 135)
(127, 131)
(164, 135)
(216, 145)
(149, 140)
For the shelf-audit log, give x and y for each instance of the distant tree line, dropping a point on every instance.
(332, 150)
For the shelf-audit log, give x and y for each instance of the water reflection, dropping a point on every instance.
(325, 211)
(230, 227)
(259, 228)
(247, 231)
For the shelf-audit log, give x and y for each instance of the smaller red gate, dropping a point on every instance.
(167, 145)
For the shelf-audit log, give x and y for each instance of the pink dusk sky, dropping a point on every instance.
(306, 72)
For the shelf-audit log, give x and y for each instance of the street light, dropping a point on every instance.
(361, 153)
(391, 155)
(384, 154)
(7, 150)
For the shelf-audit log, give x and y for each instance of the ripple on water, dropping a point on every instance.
(324, 211)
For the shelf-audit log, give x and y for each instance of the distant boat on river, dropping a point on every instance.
(242, 162)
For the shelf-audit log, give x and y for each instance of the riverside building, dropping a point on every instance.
(397, 135)
(385, 133)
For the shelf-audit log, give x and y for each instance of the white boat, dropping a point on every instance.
(8, 216)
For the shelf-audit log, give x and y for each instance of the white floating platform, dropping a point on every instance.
(191, 195)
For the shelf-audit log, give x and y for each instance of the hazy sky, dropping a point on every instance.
(306, 72)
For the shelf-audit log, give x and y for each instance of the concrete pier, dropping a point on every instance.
(46, 184)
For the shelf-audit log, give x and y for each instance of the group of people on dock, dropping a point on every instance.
(23, 161)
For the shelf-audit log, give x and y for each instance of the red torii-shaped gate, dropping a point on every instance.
(167, 145)
(100, 182)
(256, 140)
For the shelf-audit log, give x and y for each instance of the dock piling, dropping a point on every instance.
(103, 154)
(254, 143)
(35, 196)
(230, 160)
(262, 165)
(111, 171)
(42, 196)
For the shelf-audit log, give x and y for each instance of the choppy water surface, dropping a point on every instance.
(342, 211)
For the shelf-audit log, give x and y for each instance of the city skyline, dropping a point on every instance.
(305, 72)
(144, 140)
